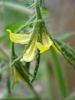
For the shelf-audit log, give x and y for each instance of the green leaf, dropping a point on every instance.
(59, 74)
(45, 76)
(44, 11)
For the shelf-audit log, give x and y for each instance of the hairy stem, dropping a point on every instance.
(38, 12)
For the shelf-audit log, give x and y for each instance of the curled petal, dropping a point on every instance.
(42, 48)
(46, 41)
(56, 49)
(19, 38)
(16, 75)
(30, 52)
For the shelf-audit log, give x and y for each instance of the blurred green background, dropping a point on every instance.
(55, 79)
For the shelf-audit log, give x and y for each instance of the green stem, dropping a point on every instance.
(27, 65)
(9, 81)
(13, 52)
(59, 74)
(22, 73)
(27, 46)
(16, 7)
(31, 87)
(25, 25)
(38, 12)
(39, 39)
(36, 65)
(57, 46)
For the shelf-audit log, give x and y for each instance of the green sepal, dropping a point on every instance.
(36, 65)
(67, 51)
(21, 71)
(39, 39)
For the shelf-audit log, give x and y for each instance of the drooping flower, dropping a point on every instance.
(31, 51)
(17, 75)
(46, 43)
(20, 72)
(19, 38)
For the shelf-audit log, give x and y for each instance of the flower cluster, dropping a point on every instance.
(31, 51)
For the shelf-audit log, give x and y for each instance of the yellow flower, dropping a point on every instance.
(46, 43)
(19, 38)
(17, 74)
(31, 51)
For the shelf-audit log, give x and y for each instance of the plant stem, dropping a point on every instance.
(27, 46)
(31, 87)
(36, 65)
(27, 65)
(25, 25)
(57, 46)
(13, 52)
(9, 81)
(38, 12)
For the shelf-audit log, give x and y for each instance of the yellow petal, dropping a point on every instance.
(56, 48)
(15, 74)
(42, 48)
(46, 41)
(19, 38)
(30, 52)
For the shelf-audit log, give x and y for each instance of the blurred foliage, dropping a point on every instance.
(49, 67)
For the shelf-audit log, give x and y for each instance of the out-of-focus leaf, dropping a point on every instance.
(0, 73)
(44, 12)
(20, 98)
(65, 36)
(3, 53)
(59, 74)
(71, 96)
(2, 37)
(16, 7)
(44, 74)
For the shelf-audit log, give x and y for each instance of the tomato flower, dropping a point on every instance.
(17, 75)
(31, 51)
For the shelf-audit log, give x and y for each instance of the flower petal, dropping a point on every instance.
(30, 52)
(46, 41)
(56, 48)
(15, 74)
(42, 48)
(19, 38)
